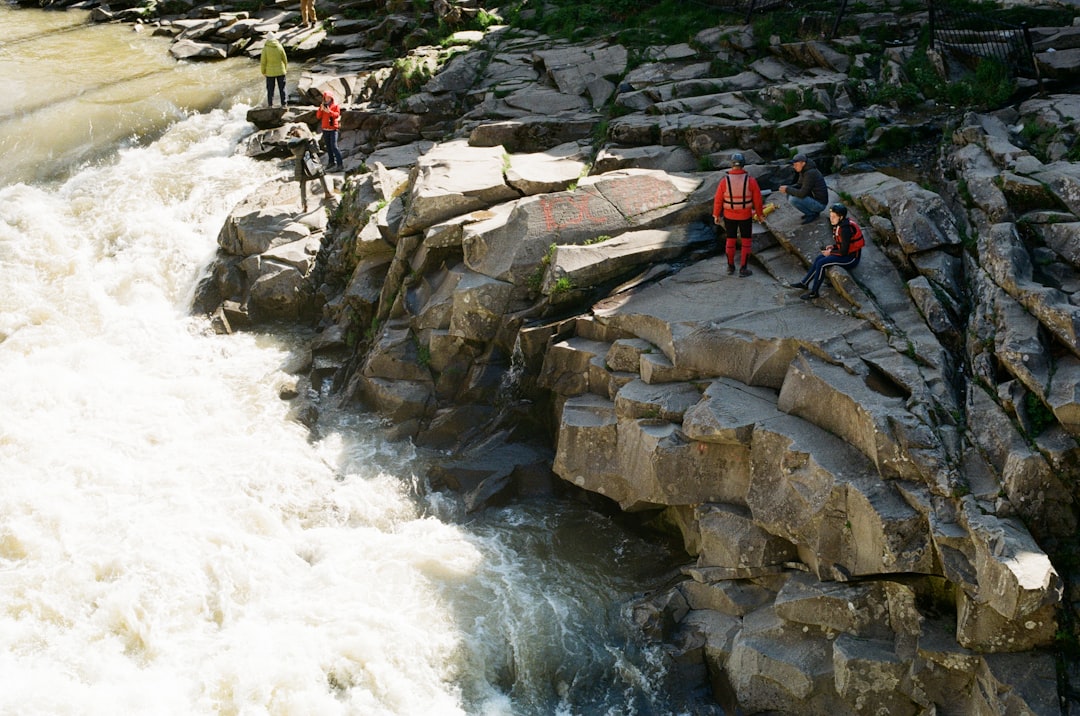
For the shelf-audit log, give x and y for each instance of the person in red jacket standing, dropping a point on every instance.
(738, 203)
(330, 115)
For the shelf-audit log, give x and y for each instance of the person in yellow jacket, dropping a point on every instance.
(274, 63)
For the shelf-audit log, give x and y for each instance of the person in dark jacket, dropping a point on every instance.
(809, 195)
(846, 251)
(306, 167)
(736, 204)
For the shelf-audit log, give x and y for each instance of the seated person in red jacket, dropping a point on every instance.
(846, 250)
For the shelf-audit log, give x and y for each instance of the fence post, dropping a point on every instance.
(839, 17)
(930, 12)
(1031, 53)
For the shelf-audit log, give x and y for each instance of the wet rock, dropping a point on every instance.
(191, 50)
(852, 473)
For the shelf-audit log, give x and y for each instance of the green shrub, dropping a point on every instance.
(904, 96)
(1038, 137)
(777, 113)
(485, 19)
(720, 67)
(372, 331)
(423, 353)
(635, 25)
(562, 285)
(536, 278)
(1039, 416)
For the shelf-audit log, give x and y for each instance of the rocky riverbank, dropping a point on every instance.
(878, 486)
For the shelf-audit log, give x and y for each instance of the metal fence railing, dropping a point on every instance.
(753, 6)
(971, 38)
(747, 6)
(967, 36)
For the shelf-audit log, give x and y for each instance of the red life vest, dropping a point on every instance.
(744, 199)
(857, 240)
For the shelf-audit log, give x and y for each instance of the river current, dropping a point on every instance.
(170, 541)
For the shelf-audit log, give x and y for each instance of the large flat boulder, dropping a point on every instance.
(746, 329)
(510, 246)
(454, 178)
(593, 264)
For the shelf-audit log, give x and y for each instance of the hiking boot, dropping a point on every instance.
(810, 218)
(730, 269)
(745, 271)
(798, 284)
(808, 295)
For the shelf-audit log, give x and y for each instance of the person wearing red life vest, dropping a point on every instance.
(846, 251)
(329, 113)
(737, 203)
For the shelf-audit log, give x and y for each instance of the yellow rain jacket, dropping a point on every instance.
(273, 62)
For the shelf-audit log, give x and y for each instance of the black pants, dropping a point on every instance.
(270, 82)
(816, 274)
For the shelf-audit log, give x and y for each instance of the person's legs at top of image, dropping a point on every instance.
(307, 13)
(270, 81)
(281, 89)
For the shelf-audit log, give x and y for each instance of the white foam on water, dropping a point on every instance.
(172, 543)
(169, 541)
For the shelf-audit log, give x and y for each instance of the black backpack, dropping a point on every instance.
(312, 166)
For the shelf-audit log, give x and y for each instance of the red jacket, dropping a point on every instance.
(330, 116)
(738, 196)
(847, 238)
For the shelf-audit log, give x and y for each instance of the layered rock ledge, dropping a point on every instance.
(876, 488)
